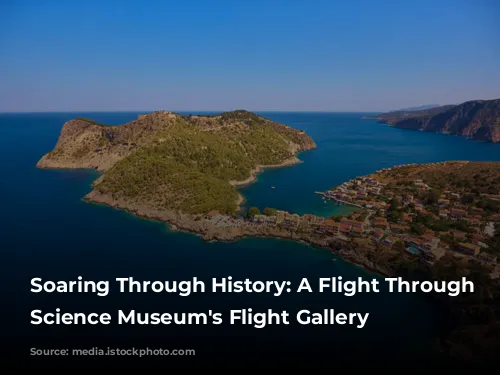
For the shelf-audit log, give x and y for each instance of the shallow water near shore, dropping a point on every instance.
(49, 232)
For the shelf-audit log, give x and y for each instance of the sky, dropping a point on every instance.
(188, 55)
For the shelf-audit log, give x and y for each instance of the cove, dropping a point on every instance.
(49, 232)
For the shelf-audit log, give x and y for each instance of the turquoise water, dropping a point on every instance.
(47, 231)
(349, 147)
(413, 250)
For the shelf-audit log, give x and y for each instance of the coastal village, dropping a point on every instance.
(408, 216)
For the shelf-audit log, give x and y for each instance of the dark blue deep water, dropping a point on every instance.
(47, 231)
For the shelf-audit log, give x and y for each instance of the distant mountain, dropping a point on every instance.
(395, 116)
(477, 119)
(427, 106)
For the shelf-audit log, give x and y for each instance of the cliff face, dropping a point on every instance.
(166, 161)
(84, 143)
(80, 145)
(478, 119)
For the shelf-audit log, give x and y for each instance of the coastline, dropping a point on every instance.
(240, 202)
(207, 230)
(210, 233)
(193, 223)
(261, 168)
(213, 230)
(494, 139)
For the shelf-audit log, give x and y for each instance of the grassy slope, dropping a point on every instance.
(189, 168)
(464, 177)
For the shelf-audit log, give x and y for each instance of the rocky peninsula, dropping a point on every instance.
(437, 221)
(475, 119)
(166, 165)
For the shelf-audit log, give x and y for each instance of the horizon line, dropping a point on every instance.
(196, 110)
(230, 110)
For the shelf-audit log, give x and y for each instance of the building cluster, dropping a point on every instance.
(360, 192)
(373, 195)
(314, 224)
(375, 223)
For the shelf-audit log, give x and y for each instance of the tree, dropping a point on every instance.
(449, 239)
(394, 204)
(395, 215)
(432, 197)
(252, 212)
(468, 199)
(399, 246)
(268, 211)
(462, 226)
(417, 229)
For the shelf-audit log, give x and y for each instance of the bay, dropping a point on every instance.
(47, 231)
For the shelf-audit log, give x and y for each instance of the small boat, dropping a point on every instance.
(272, 187)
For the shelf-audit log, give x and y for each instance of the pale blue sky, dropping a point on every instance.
(258, 55)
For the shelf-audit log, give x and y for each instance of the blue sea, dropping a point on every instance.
(47, 231)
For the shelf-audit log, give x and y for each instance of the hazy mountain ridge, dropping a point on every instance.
(419, 108)
(476, 119)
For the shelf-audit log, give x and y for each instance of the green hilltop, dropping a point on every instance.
(171, 162)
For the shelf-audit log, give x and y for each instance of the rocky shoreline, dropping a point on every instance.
(85, 144)
(210, 233)
(261, 168)
(475, 119)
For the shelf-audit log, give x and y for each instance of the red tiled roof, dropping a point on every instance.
(330, 223)
(418, 241)
(458, 234)
(470, 246)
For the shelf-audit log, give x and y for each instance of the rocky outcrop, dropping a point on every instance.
(173, 163)
(478, 119)
(84, 143)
